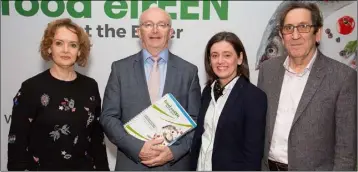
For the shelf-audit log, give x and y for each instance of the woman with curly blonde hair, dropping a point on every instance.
(55, 113)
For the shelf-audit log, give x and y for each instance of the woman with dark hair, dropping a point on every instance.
(55, 114)
(231, 123)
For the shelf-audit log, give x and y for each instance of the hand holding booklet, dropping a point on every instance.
(166, 119)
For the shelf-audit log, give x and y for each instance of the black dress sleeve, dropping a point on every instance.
(23, 114)
(98, 147)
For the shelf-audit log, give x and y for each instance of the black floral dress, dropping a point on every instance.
(55, 125)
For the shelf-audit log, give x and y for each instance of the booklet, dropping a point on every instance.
(166, 119)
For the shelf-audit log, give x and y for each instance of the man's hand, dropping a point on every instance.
(165, 156)
(147, 153)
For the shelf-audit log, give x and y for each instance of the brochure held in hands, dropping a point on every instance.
(166, 119)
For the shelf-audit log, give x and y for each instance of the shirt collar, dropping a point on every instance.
(163, 54)
(307, 68)
(229, 86)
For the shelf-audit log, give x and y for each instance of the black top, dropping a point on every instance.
(55, 125)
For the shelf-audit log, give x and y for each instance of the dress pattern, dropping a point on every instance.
(54, 123)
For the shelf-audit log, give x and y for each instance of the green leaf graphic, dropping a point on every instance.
(184, 125)
(351, 47)
(157, 108)
(135, 132)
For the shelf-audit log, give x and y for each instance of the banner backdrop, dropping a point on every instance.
(112, 24)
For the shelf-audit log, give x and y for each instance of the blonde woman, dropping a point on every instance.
(55, 113)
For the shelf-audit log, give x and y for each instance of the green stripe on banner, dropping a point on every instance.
(135, 132)
(158, 109)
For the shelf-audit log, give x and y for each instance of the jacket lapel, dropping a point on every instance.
(234, 94)
(233, 100)
(314, 81)
(138, 70)
(206, 99)
(275, 85)
(171, 75)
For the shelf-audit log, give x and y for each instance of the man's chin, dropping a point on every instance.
(157, 47)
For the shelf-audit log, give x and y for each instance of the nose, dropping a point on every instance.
(66, 47)
(220, 59)
(155, 29)
(295, 34)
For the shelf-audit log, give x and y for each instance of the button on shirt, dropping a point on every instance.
(148, 64)
(291, 92)
(210, 123)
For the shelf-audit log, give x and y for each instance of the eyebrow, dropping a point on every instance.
(64, 41)
(161, 21)
(299, 23)
(227, 52)
(215, 52)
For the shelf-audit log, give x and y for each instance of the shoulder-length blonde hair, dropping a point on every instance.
(49, 34)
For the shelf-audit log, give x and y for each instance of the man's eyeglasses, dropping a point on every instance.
(302, 28)
(150, 25)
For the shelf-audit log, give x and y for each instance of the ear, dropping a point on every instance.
(171, 32)
(318, 34)
(49, 51)
(138, 32)
(79, 53)
(281, 36)
(241, 57)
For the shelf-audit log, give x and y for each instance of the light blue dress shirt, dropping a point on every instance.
(148, 64)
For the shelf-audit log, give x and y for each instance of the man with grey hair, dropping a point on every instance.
(312, 100)
(139, 80)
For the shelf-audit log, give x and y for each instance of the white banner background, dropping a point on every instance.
(21, 36)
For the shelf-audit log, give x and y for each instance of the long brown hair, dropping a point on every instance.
(236, 43)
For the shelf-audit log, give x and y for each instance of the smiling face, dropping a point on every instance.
(65, 48)
(224, 60)
(155, 30)
(300, 45)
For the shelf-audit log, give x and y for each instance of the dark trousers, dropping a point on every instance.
(277, 166)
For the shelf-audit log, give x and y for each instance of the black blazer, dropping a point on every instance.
(240, 133)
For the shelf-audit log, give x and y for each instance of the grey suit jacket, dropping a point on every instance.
(323, 135)
(126, 95)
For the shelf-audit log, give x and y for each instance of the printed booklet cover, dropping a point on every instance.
(165, 118)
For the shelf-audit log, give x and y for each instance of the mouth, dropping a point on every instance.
(296, 44)
(222, 67)
(66, 57)
(155, 37)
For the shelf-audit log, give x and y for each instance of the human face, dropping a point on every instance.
(65, 48)
(155, 30)
(224, 61)
(300, 45)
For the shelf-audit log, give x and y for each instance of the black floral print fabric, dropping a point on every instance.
(55, 126)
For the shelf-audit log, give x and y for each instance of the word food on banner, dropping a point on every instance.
(204, 10)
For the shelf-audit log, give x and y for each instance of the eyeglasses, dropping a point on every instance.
(150, 25)
(302, 28)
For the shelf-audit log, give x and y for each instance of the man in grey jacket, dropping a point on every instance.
(139, 80)
(312, 100)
